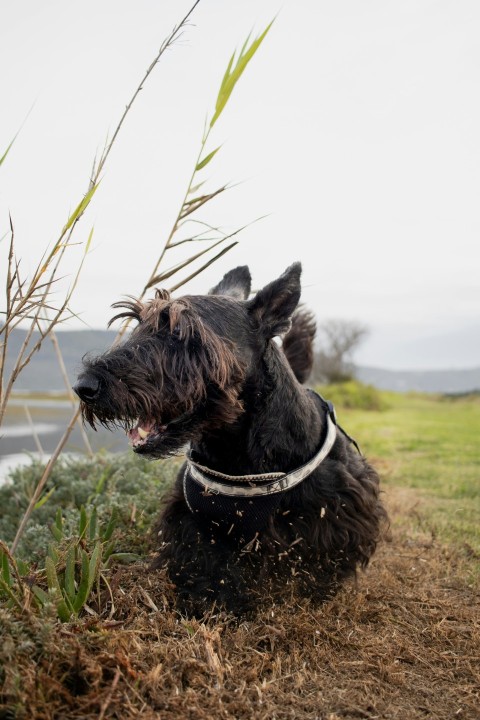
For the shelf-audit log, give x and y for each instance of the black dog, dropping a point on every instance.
(273, 494)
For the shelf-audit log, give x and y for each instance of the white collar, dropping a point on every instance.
(246, 485)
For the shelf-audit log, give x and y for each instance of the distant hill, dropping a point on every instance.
(436, 381)
(43, 373)
(408, 346)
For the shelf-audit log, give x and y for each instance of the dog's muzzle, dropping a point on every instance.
(87, 387)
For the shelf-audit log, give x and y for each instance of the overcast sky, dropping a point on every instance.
(355, 130)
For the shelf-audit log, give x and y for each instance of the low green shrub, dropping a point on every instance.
(353, 394)
(93, 512)
(126, 485)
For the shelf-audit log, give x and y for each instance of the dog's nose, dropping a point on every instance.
(87, 388)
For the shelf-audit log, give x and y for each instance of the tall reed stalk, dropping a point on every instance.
(192, 203)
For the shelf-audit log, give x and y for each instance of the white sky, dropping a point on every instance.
(356, 130)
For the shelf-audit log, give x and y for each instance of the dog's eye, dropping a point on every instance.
(176, 331)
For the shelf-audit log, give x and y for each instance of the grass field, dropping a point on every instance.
(401, 643)
(430, 445)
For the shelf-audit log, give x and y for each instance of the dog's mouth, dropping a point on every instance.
(145, 432)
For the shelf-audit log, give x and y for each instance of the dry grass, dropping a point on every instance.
(403, 643)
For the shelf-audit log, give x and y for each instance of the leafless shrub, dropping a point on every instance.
(338, 341)
(31, 300)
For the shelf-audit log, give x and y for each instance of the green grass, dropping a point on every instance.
(25, 395)
(430, 444)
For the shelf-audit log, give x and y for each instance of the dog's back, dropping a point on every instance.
(298, 343)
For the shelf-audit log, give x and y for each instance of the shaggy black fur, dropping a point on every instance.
(205, 371)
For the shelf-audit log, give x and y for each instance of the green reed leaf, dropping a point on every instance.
(207, 159)
(194, 188)
(83, 522)
(63, 610)
(234, 73)
(80, 209)
(6, 152)
(52, 578)
(5, 570)
(42, 596)
(57, 528)
(108, 532)
(92, 530)
(44, 499)
(69, 582)
(81, 596)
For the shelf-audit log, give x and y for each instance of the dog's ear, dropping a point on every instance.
(235, 283)
(272, 307)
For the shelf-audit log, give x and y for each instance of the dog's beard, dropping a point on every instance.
(156, 439)
(152, 433)
(157, 432)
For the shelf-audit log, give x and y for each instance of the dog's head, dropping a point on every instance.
(183, 369)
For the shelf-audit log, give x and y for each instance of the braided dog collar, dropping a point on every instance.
(249, 486)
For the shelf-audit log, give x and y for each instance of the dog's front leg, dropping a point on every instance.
(203, 566)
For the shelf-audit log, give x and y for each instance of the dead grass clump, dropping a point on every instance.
(402, 643)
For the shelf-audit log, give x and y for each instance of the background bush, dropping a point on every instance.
(354, 395)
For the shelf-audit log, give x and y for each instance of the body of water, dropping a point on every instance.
(24, 430)
(47, 419)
